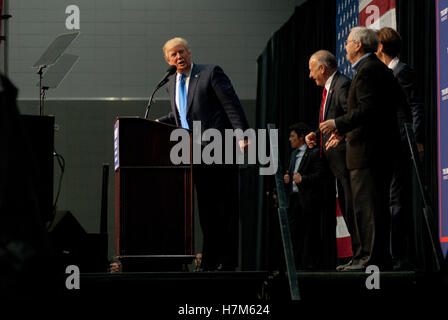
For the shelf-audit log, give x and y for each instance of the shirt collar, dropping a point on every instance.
(187, 75)
(302, 148)
(356, 64)
(328, 83)
(393, 63)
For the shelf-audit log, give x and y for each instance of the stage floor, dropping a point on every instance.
(238, 295)
(246, 286)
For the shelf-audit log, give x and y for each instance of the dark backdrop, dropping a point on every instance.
(286, 95)
(416, 24)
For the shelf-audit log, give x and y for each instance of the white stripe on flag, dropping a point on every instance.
(341, 228)
(386, 20)
(363, 3)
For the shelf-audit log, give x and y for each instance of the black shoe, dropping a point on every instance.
(223, 267)
(354, 267)
(402, 265)
(343, 266)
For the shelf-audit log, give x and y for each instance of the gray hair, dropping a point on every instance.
(326, 58)
(367, 37)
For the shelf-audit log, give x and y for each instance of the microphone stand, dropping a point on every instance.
(41, 89)
(152, 96)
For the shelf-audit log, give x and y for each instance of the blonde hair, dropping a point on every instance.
(172, 43)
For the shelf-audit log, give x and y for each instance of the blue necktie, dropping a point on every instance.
(183, 102)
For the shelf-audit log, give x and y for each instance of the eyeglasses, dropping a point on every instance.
(346, 41)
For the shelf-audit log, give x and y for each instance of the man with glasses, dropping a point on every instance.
(371, 132)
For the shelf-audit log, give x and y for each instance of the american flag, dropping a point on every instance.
(374, 14)
(351, 13)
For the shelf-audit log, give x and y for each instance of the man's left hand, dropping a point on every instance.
(327, 126)
(244, 144)
(297, 178)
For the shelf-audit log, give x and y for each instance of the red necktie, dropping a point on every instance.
(324, 96)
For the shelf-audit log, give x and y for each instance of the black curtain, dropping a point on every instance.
(416, 23)
(286, 95)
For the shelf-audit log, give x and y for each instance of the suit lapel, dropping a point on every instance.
(398, 68)
(172, 93)
(330, 95)
(292, 162)
(194, 77)
(304, 159)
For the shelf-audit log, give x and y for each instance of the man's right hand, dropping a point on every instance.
(286, 177)
(310, 140)
(334, 140)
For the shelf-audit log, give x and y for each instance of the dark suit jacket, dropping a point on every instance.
(211, 99)
(413, 110)
(312, 170)
(370, 124)
(336, 106)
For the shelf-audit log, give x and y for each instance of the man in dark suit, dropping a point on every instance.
(304, 181)
(400, 189)
(372, 136)
(204, 93)
(324, 70)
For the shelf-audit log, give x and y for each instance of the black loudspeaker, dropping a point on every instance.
(39, 133)
(74, 246)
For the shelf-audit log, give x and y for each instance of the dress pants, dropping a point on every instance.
(217, 188)
(370, 238)
(400, 208)
(304, 221)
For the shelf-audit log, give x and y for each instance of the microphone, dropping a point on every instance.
(171, 70)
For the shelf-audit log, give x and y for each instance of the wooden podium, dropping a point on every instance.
(153, 197)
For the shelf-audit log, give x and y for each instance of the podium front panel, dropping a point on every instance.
(153, 197)
(155, 217)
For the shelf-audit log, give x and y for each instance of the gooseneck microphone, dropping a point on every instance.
(171, 70)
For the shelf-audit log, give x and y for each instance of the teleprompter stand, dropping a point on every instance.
(58, 64)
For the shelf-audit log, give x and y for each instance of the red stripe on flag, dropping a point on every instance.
(383, 6)
(344, 246)
(338, 208)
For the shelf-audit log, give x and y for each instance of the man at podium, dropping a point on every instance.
(204, 93)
